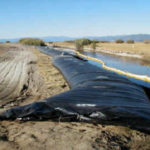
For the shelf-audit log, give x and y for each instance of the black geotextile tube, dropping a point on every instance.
(96, 95)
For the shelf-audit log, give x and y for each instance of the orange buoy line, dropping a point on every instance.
(139, 77)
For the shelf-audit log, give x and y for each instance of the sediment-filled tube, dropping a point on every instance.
(96, 95)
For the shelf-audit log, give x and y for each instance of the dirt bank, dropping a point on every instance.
(49, 135)
(19, 78)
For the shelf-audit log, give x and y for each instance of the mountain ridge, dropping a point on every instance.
(135, 37)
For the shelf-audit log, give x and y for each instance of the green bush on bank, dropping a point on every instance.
(84, 41)
(93, 45)
(32, 41)
(130, 41)
(119, 41)
(80, 43)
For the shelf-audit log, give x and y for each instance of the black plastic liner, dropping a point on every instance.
(52, 52)
(96, 95)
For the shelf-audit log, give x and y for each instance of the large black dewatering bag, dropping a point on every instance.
(96, 95)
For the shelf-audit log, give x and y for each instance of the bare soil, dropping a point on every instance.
(19, 77)
(48, 135)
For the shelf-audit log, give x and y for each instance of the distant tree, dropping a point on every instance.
(119, 41)
(7, 41)
(130, 41)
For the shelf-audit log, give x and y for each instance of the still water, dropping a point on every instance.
(132, 65)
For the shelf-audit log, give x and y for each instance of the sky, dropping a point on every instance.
(74, 18)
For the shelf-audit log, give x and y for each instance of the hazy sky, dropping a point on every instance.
(29, 18)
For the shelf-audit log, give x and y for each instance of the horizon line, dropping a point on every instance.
(75, 36)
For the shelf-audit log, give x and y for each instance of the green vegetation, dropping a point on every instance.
(32, 41)
(93, 45)
(84, 41)
(80, 43)
(7, 41)
(119, 41)
(130, 41)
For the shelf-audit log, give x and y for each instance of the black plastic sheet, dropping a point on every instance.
(96, 95)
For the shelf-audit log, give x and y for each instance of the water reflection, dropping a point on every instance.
(125, 64)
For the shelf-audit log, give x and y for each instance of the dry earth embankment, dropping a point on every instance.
(47, 135)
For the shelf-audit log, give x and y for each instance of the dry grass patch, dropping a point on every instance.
(136, 48)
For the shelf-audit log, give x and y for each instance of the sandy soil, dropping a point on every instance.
(48, 135)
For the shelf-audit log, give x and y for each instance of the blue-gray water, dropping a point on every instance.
(123, 63)
(132, 65)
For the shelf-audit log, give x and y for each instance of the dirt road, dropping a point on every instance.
(48, 135)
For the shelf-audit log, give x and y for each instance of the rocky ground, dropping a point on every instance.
(48, 135)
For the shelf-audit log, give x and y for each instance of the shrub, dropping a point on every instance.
(32, 41)
(130, 41)
(79, 45)
(7, 41)
(84, 41)
(93, 45)
(119, 41)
